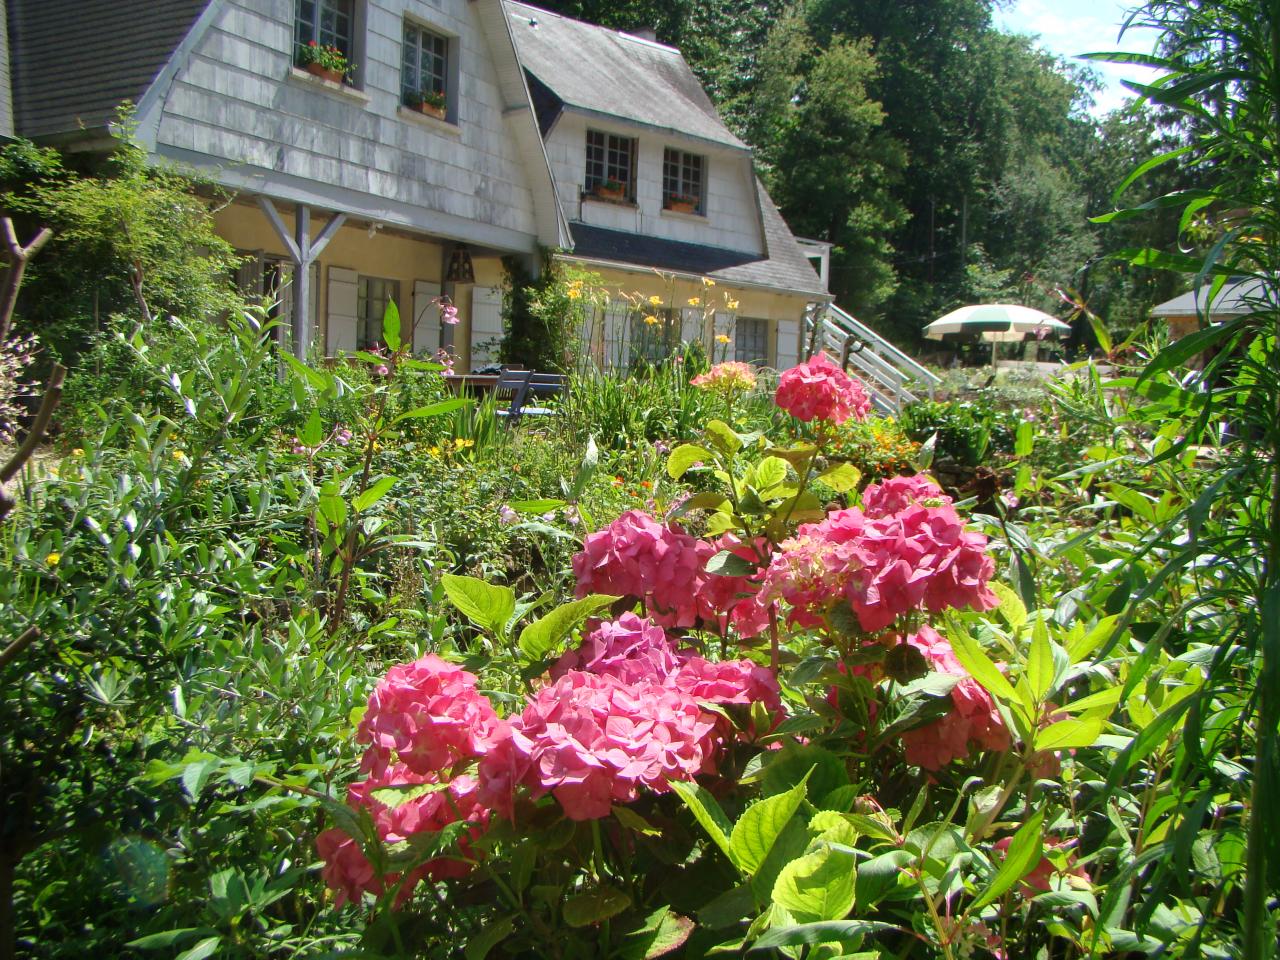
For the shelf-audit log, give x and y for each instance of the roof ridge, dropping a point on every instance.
(621, 34)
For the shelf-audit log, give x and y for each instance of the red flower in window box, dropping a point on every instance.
(325, 61)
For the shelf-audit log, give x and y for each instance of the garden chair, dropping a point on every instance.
(542, 386)
(512, 386)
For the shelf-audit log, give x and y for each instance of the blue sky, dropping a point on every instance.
(1082, 26)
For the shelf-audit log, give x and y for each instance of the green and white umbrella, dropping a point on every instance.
(995, 323)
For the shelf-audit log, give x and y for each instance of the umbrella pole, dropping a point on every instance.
(994, 345)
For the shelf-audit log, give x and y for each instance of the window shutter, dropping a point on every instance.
(340, 331)
(693, 326)
(426, 317)
(486, 325)
(617, 330)
(788, 346)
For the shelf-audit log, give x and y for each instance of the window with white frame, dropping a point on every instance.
(682, 180)
(326, 23)
(611, 164)
(372, 296)
(655, 331)
(424, 66)
(751, 340)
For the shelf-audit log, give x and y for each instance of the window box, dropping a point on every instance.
(324, 73)
(687, 205)
(682, 181)
(612, 193)
(427, 70)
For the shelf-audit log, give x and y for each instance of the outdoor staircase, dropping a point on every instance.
(888, 373)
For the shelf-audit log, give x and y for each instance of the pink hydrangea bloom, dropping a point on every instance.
(919, 556)
(724, 600)
(897, 493)
(630, 649)
(636, 556)
(972, 722)
(429, 715)
(346, 869)
(728, 682)
(594, 741)
(820, 390)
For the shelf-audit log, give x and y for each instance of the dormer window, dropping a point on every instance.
(682, 182)
(611, 167)
(424, 71)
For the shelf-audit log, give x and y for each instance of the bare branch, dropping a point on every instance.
(39, 427)
(18, 259)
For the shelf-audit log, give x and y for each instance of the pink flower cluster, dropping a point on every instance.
(908, 550)
(820, 390)
(660, 564)
(594, 740)
(972, 722)
(625, 712)
(424, 719)
(728, 377)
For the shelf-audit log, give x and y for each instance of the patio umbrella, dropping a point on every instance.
(995, 323)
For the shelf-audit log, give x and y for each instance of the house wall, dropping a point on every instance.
(6, 85)
(239, 105)
(386, 255)
(732, 219)
(784, 312)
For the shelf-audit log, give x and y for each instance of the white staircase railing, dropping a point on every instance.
(886, 370)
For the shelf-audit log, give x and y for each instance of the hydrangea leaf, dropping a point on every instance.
(842, 477)
(758, 827)
(706, 811)
(818, 886)
(685, 456)
(542, 636)
(600, 904)
(722, 437)
(391, 325)
(486, 605)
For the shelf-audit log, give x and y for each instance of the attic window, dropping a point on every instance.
(424, 69)
(328, 23)
(682, 181)
(611, 165)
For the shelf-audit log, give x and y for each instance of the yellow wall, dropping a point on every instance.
(390, 256)
(676, 292)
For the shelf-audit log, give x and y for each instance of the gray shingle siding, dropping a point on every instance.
(76, 61)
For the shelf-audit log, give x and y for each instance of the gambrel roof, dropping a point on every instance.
(612, 74)
(75, 61)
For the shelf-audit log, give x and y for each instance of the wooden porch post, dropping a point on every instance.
(303, 251)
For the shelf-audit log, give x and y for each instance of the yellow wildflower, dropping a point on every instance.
(461, 444)
(695, 301)
(651, 320)
(433, 451)
(77, 452)
(732, 304)
(722, 338)
(655, 300)
(53, 559)
(574, 293)
(708, 282)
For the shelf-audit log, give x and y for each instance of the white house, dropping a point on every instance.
(347, 195)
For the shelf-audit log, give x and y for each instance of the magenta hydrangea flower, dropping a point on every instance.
(427, 714)
(973, 721)
(884, 566)
(820, 390)
(348, 871)
(630, 649)
(894, 495)
(727, 682)
(725, 600)
(593, 741)
(636, 556)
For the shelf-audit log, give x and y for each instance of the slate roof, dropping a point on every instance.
(615, 74)
(74, 61)
(1237, 298)
(784, 267)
